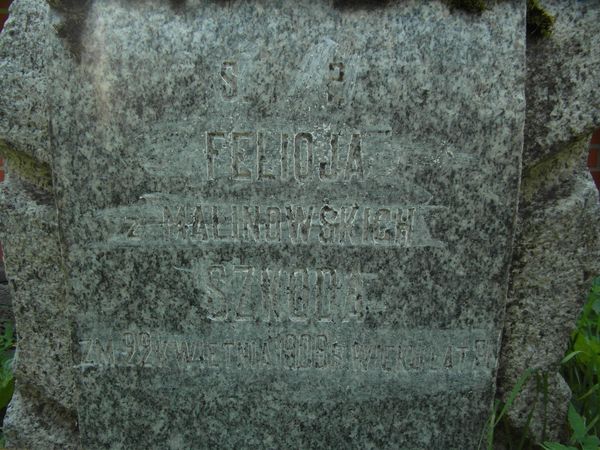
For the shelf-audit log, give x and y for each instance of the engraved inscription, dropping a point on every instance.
(257, 156)
(243, 293)
(295, 224)
(229, 79)
(285, 163)
(290, 351)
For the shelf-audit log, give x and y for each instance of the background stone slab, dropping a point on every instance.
(23, 107)
(550, 272)
(432, 100)
(557, 251)
(42, 413)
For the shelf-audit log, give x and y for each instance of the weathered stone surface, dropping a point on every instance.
(558, 241)
(558, 224)
(562, 80)
(42, 412)
(23, 106)
(176, 121)
(556, 257)
(43, 367)
(382, 334)
(33, 422)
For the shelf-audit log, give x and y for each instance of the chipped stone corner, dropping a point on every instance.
(557, 253)
(48, 425)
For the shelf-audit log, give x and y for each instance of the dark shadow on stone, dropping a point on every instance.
(177, 5)
(73, 14)
(472, 6)
(353, 5)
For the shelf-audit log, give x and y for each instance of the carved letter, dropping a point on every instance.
(270, 288)
(354, 163)
(212, 152)
(299, 223)
(239, 153)
(229, 78)
(302, 173)
(243, 311)
(328, 169)
(217, 306)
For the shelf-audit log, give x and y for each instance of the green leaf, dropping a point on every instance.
(6, 393)
(7, 339)
(556, 446)
(590, 443)
(577, 424)
(588, 349)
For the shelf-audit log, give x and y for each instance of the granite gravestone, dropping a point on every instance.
(287, 224)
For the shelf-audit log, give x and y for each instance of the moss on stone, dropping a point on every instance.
(27, 167)
(539, 21)
(549, 171)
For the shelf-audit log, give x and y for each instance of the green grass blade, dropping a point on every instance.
(570, 356)
(556, 446)
(590, 392)
(592, 423)
(513, 394)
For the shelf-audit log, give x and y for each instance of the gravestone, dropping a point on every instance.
(552, 276)
(286, 224)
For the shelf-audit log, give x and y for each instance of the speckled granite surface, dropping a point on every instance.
(287, 224)
(42, 413)
(558, 228)
(23, 112)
